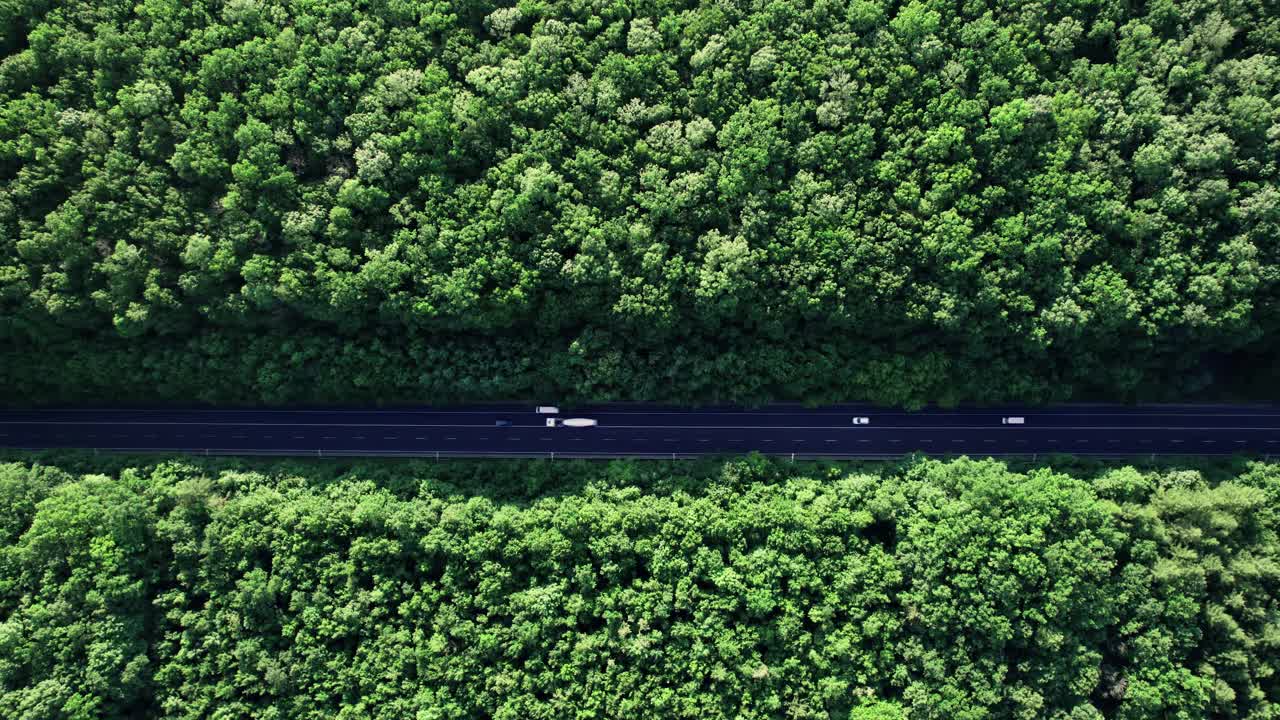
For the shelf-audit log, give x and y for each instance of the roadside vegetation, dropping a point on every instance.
(740, 589)
(317, 200)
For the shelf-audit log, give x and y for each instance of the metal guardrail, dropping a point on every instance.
(320, 453)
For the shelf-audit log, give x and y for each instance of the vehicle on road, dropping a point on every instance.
(572, 422)
(862, 421)
(1014, 421)
(547, 410)
(502, 423)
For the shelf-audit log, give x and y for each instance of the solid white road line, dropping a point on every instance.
(843, 412)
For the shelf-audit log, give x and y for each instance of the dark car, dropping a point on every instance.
(502, 423)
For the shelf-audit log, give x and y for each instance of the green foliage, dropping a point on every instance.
(75, 599)
(902, 201)
(745, 589)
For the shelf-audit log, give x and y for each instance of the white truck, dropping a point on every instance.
(571, 422)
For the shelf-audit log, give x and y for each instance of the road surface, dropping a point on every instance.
(648, 431)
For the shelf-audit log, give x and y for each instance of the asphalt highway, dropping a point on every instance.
(648, 431)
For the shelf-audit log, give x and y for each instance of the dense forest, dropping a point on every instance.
(960, 590)
(324, 200)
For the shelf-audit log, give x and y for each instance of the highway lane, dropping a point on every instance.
(655, 432)
(1066, 417)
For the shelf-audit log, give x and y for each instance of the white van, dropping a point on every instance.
(1014, 421)
(572, 422)
(547, 410)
